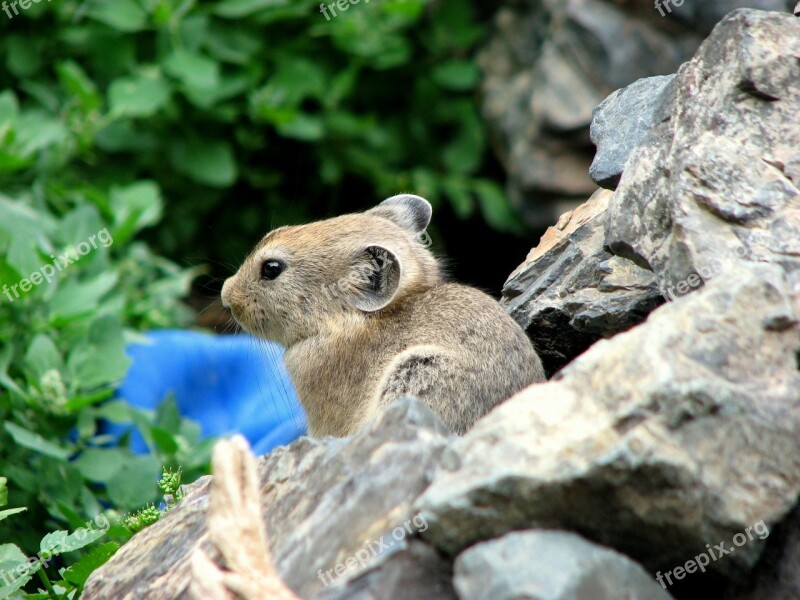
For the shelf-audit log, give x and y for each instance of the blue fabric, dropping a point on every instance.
(228, 384)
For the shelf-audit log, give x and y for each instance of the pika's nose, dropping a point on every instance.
(226, 292)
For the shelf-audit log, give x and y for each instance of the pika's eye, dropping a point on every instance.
(271, 269)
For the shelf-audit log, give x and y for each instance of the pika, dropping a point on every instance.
(366, 317)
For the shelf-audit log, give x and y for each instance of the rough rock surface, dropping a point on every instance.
(567, 567)
(550, 62)
(571, 291)
(620, 123)
(656, 442)
(715, 187)
(324, 501)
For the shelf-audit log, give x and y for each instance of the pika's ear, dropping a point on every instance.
(375, 278)
(407, 210)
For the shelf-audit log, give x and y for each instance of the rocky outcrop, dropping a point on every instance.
(567, 568)
(656, 442)
(571, 291)
(332, 507)
(668, 440)
(716, 184)
(549, 63)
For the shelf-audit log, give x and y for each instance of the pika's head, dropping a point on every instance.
(303, 279)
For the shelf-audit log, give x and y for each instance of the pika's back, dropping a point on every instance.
(360, 303)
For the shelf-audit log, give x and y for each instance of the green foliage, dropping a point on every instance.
(16, 569)
(263, 103)
(62, 352)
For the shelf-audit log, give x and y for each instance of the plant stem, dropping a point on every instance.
(47, 585)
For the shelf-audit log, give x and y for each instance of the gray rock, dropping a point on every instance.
(571, 291)
(620, 123)
(326, 502)
(550, 565)
(678, 433)
(716, 184)
(415, 572)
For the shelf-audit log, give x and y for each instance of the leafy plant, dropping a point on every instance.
(240, 109)
(62, 353)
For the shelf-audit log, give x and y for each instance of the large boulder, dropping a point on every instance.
(715, 183)
(671, 436)
(571, 291)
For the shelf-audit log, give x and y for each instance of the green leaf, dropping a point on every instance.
(78, 84)
(76, 403)
(3, 491)
(123, 15)
(496, 208)
(192, 70)
(11, 557)
(135, 483)
(164, 440)
(11, 511)
(37, 130)
(457, 75)
(43, 356)
(460, 198)
(116, 411)
(100, 358)
(34, 441)
(75, 298)
(60, 542)
(101, 464)
(209, 163)
(136, 206)
(78, 573)
(308, 128)
(140, 96)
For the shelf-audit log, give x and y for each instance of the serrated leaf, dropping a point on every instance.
(78, 573)
(60, 542)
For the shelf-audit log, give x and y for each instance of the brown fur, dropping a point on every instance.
(366, 318)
